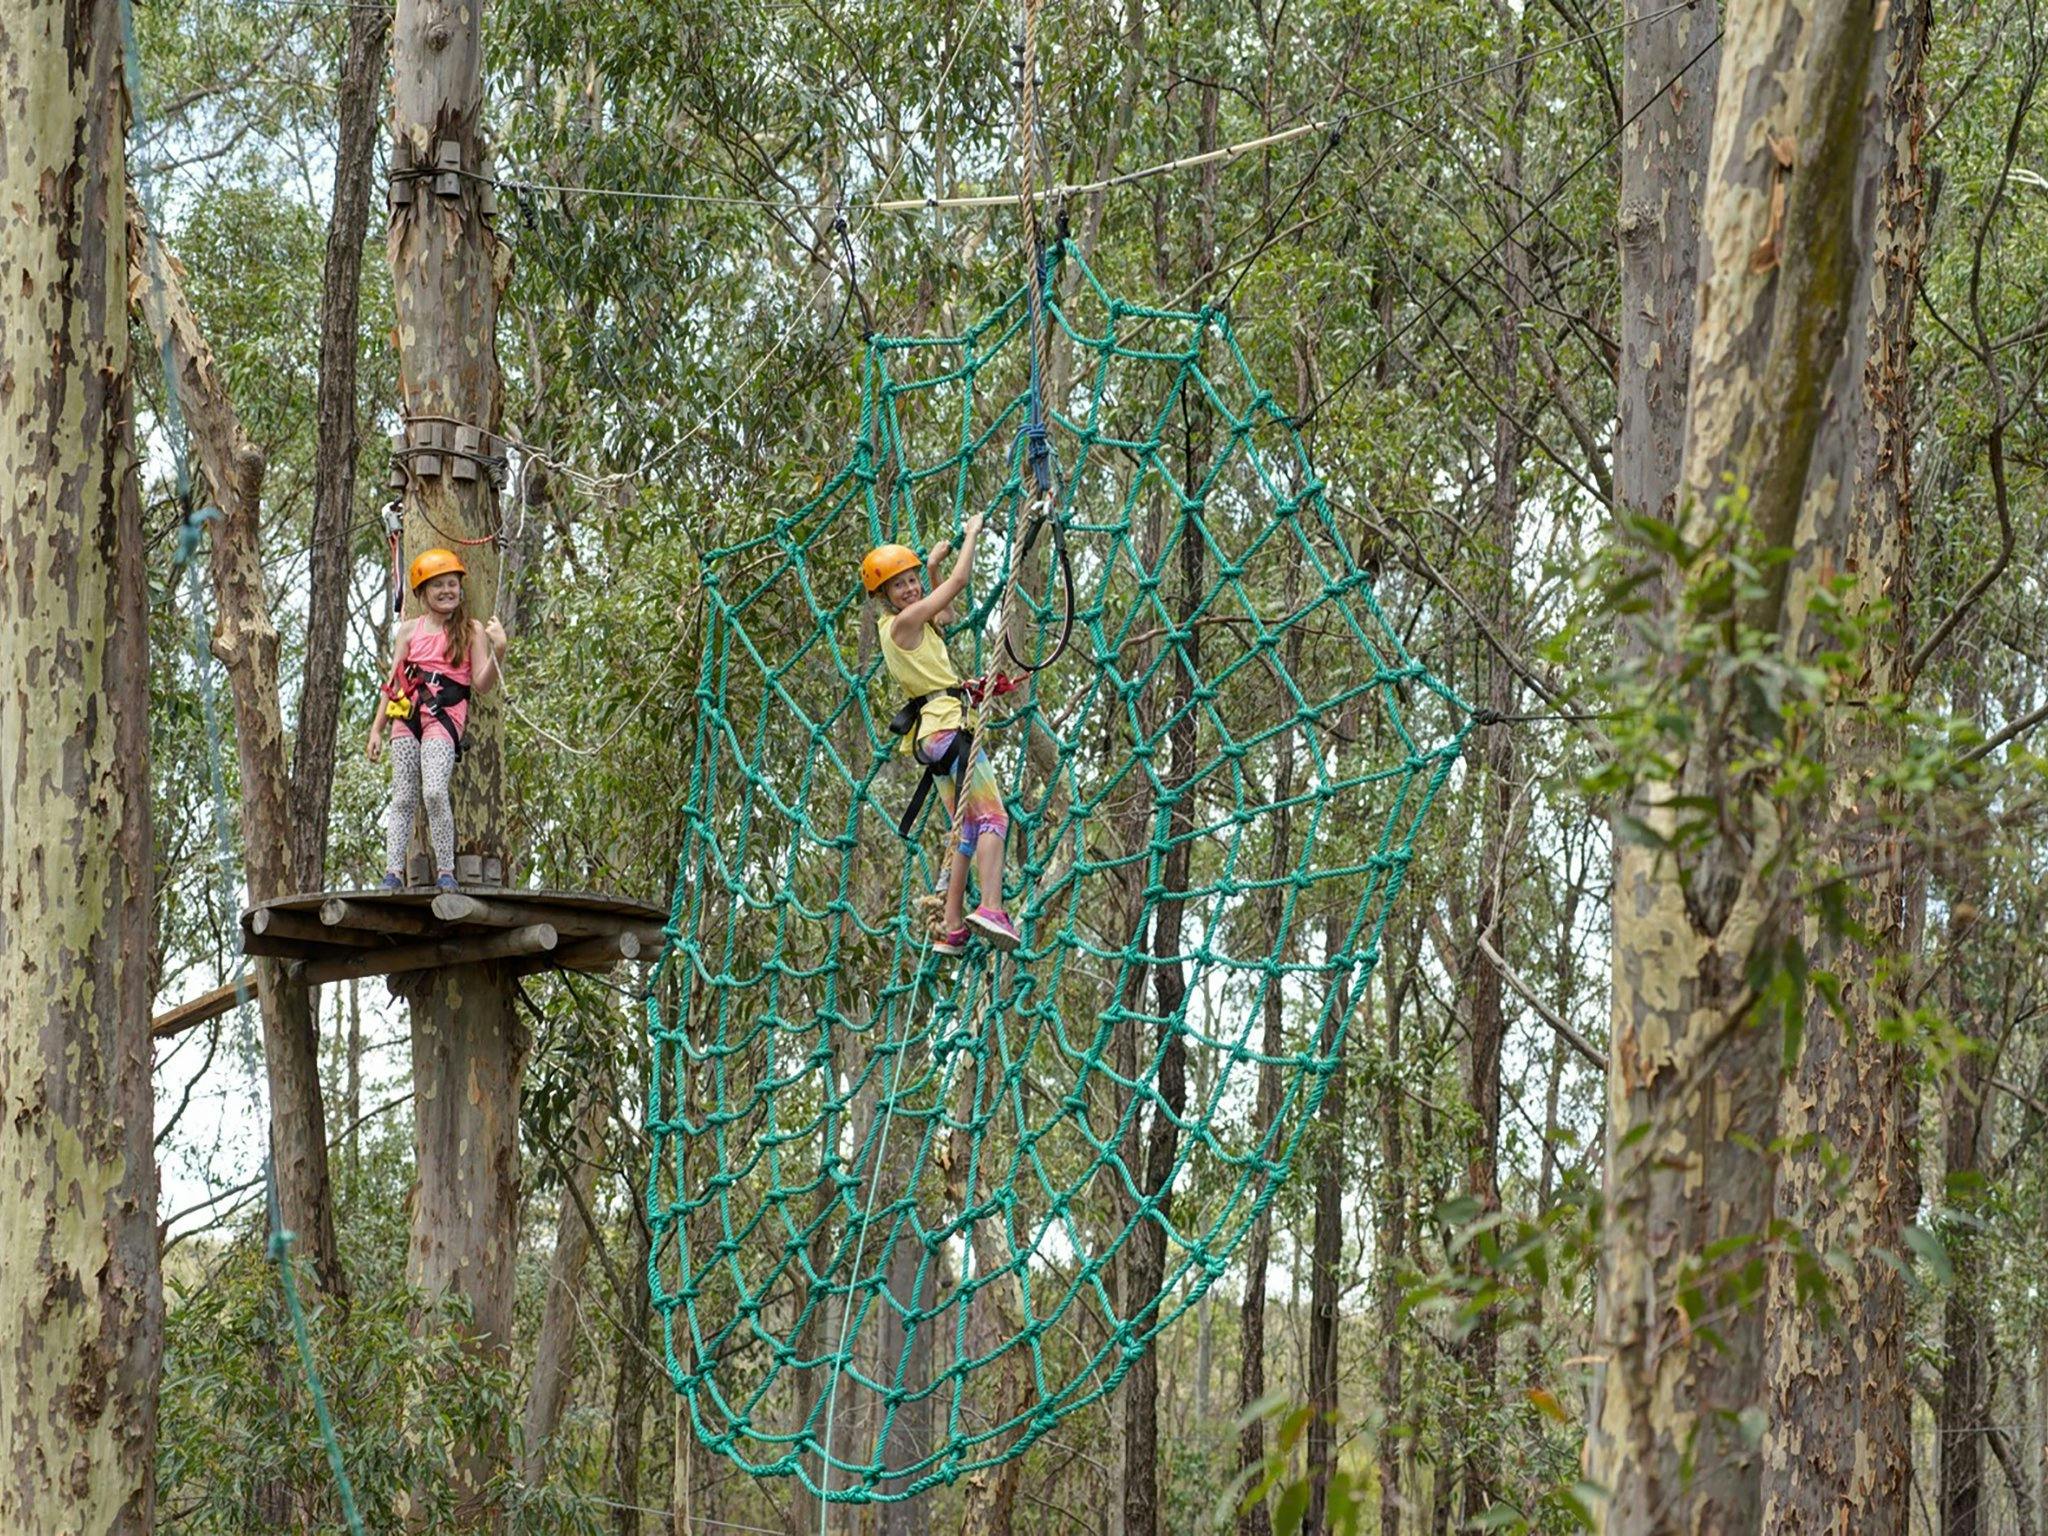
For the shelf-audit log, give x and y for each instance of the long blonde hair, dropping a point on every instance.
(456, 627)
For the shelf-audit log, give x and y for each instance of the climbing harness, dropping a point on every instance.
(417, 694)
(959, 752)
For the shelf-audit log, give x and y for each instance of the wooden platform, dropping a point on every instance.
(340, 935)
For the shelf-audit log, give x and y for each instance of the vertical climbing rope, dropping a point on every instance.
(1035, 253)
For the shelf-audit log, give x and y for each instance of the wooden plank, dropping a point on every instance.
(272, 946)
(340, 912)
(203, 1009)
(264, 923)
(593, 954)
(417, 898)
(456, 907)
(534, 938)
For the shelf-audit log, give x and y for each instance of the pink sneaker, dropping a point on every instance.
(953, 943)
(995, 926)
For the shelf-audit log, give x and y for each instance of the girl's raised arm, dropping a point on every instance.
(907, 625)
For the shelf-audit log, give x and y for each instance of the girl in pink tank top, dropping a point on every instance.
(440, 658)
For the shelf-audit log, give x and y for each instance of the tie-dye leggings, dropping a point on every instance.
(970, 794)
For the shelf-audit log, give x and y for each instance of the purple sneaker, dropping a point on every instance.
(445, 881)
(392, 881)
(995, 926)
(953, 943)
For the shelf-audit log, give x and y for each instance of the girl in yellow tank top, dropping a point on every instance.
(914, 648)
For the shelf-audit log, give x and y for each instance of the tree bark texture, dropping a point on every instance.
(1693, 1083)
(1256, 1519)
(629, 1395)
(1838, 1449)
(1663, 181)
(1147, 1244)
(1663, 177)
(245, 641)
(447, 268)
(1963, 1408)
(1486, 1010)
(1392, 1218)
(1326, 1252)
(81, 1303)
(561, 1314)
(335, 445)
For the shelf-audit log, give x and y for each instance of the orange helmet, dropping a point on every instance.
(884, 563)
(432, 563)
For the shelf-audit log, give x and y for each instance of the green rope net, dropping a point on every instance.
(909, 1213)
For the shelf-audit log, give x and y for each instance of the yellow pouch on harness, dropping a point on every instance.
(399, 709)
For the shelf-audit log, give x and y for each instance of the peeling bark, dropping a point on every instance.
(1147, 1244)
(554, 1353)
(1693, 1083)
(81, 1303)
(246, 643)
(1838, 1452)
(335, 446)
(1479, 1352)
(447, 269)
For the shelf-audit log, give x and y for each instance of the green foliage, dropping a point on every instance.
(239, 1449)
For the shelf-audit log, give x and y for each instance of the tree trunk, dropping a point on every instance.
(1704, 899)
(335, 446)
(1327, 1252)
(1838, 1450)
(1257, 1520)
(1960, 1411)
(1169, 978)
(1663, 176)
(81, 1304)
(629, 1397)
(245, 641)
(561, 1314)
(1663, 179)
(468, 1048)
(1480, 1350)
(1393, 1242)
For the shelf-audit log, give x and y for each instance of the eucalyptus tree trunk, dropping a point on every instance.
(1663, 175)
(1960, 1411)
(1838, 1447)
(1486, 1010)
(245, 640)
(1326, 1252)
(629, 1392)
(1169, 976)
(1706, 886)
(335, 445)
(1255, 1519)
(1392, 1235)
(554, 1353)
(468, 1049)
(81, 1303)
(1668, 91)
